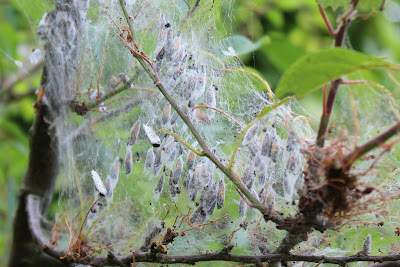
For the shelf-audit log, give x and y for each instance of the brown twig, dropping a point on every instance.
(325, 18)
(191, 11)
(140, 7)
(344, 23)
(376, 142)
(33, 204)
(20, 75)
(203, 224)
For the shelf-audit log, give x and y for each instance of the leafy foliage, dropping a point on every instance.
(315, 69)
(367, 6)
(272, 37)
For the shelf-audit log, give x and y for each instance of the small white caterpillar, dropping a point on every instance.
(190, 160)
(166, 114)
(221, 194)
(115, 169)
(160, 185)
(250, 134)
(173, 188)
(242, 208)
(157, 162)
(209, 201)
(291, 143)
(94, 96)
(35, 56)
(176, 175)
(200, 85)
(134, 133)
(124, 77)
(211, 101)
(367, 245)
(248, 175)
(128, 161)
(99, 183)
(164, 32)
(174, 118)
(200, 177)
(148, 164)
(198, 216)
(152, 136)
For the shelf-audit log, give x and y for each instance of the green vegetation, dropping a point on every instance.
(284, 42)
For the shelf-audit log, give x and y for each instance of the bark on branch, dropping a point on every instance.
(33, 202)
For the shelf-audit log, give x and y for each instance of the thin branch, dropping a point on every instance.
(12, 96)
(121, 3)
(186, 2)
(203, 224)
(126, 72)
(390, 75)
(20, 75)
(325, 18)
(33, 211)
(354, 82)
(33, 206)
(218, 256)
(110, 114)
(385, 264)
(324, 123)
(344, 22)
(203, 8)
(140, 7)
(115, 92)
(376, 142)
(191, 11)
(207, 152)
(180, 139)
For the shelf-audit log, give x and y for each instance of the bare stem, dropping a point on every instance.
(33, 203)
(20, 75)
(115, 92)
(325, 18)
(376, 142)
(328, 106)
(180, 139)
(191, 11)
(121, 2)
(344, 23)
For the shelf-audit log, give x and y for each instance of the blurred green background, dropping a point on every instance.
(272, 33)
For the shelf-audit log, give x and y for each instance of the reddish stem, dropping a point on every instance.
(328, 25)
(377, 141)
(354, 82)
(324, 99)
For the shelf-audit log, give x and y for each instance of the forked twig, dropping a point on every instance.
(203, 224)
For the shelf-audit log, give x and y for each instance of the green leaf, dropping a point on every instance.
(367, 6)
(314, 70)
(281, 51)
(243, 45)
(334, 4)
